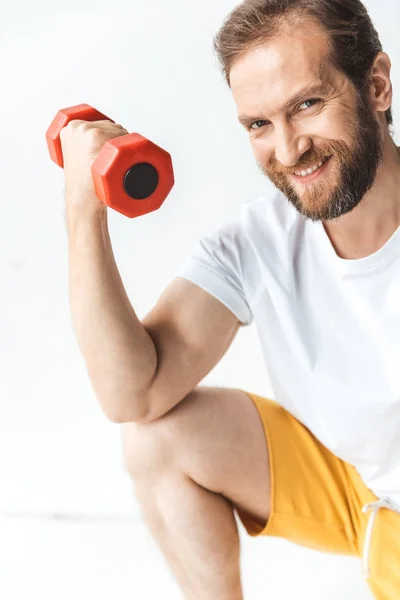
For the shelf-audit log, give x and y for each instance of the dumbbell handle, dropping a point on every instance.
(130, 174)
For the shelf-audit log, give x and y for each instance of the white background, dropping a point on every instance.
(149, 66)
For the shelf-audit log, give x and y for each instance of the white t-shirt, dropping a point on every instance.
(329, 328)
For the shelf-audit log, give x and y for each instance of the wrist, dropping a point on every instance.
(85, 214)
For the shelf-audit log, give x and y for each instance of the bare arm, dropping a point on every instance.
(139, 370)
(119, 354)
(192, 331)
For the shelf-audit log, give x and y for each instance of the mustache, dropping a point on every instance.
(292, 170)
(338, 149)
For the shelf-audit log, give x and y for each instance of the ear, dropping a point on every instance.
(382, 90)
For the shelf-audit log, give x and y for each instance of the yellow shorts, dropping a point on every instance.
(317, 501)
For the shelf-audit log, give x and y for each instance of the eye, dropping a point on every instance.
(251, 128)
(260, 122)
(315, 100)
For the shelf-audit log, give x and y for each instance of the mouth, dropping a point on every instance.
(315, 174)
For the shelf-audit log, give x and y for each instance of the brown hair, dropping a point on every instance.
(353, 40)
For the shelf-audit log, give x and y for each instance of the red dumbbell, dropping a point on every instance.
(130, 174)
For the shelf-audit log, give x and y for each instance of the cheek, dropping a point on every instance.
(262, 151)
(334, 126)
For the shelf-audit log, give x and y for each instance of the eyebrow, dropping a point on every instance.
(306, 92)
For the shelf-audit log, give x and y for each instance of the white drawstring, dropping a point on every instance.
(376, 506)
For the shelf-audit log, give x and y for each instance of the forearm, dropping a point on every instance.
(120, 355)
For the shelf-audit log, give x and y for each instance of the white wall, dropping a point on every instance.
(149, 66)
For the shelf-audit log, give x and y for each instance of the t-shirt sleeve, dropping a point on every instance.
(215, 265)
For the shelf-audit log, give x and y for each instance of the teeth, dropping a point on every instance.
(311, 170)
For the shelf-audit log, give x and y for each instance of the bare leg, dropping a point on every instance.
(189, 470)
(196, 532)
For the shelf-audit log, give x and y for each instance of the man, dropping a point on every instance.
(316, 266)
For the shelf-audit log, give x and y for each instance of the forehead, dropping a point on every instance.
(268, 75)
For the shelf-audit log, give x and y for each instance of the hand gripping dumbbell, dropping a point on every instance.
(130, 174)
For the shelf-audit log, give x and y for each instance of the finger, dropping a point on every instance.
(105, 126)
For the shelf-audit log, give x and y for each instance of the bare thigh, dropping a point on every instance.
(216, 437)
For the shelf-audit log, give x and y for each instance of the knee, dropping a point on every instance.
(144, 448)
(153, 447)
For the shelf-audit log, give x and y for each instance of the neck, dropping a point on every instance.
(372, 223)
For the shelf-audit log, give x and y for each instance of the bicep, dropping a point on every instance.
(191, 331)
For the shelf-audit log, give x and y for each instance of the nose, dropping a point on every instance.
(289, 146)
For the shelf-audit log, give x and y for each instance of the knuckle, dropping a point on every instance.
(84, 125)
(74, 124)
(120, 128)
(70, 126)
(95, 132)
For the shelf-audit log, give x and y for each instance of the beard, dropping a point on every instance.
(355, 169)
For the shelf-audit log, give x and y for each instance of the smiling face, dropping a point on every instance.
(330, 119)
